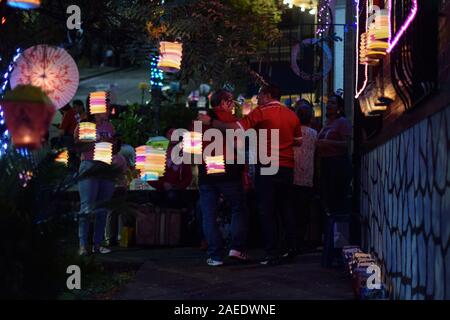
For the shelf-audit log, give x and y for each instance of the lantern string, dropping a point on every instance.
(4, 134)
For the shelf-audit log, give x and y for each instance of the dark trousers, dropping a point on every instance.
(335, 179)
(274, 195)
(303, 198)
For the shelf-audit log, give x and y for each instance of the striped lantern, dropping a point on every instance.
(103, 152)
(98, 102)
(378, 37)
(192, 142)
(363, 58)
(170, 56)
(63, 157)
(24, 4)
(87, 131)
(150, 162)
(215, 164)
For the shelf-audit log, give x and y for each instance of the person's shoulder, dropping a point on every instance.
(343, 121)
(310, 131)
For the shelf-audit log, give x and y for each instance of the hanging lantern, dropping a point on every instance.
(215, 165)
(170, 56)
(156, 162)
(103, 152)
(150, 162)
(28, 114)
(87, 132)
(192, 142)
(378, 37)
(24, 4)
(141, 157)
(63, 157)
(363, 58)
(161, 143)
(98, 102)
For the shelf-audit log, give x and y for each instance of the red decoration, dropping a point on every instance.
(28, 114)
(49, 68)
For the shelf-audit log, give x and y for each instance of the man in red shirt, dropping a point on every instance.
(273, 189)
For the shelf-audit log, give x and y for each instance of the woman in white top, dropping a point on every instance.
(304, 167)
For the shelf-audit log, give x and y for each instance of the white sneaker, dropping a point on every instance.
(83, 252)
(101, 250)
(235, 254)
(214, 263)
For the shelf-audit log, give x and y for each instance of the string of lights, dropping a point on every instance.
(156, 75)
(324, 17)
(366, 67)
(4, 134)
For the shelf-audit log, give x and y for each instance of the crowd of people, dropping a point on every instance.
(283, 199)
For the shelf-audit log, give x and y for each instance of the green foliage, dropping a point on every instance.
(33, 221)
(219, 37)
(177, 116)
(134, 124)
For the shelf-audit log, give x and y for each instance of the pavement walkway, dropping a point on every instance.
(182, 274)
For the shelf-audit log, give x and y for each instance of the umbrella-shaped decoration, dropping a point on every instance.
(28, 114)
(215, 164)
(159, 142)
(24, 4)
(49, 68)
(103, 152)
(192, 142)
(98, 102)
(63, 157)
(87, 132)
(170, 56)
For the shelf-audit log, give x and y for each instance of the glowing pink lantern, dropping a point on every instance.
(49, 68)
(28, 114)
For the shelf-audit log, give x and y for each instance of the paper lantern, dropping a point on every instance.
(363, 58)
(150, 162)
(378, 37)
(28, 113)
(215, 164)
(156, 162)
(161, 143)
(192, 142)
(170, 56)
(63, 157)
(24, 4)
(87, 131)
(49, 68)
(103, 152)
(141, 157)
(98, 102)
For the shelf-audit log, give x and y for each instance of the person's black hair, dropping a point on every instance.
(66, 107)
(273, 90)
(340, 103)
(219, 96)
(304, 117)
(78, 102)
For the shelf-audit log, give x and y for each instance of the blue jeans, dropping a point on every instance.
(93, 192)
(209, 198)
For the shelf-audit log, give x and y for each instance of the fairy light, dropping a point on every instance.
(156, 75)
(4, 134)
(405, 26)
(323, 17)
(366, 67)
